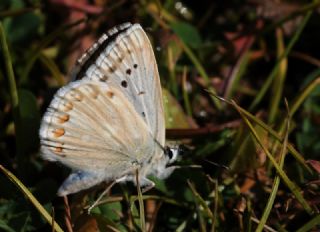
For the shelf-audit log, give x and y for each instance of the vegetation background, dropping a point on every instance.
(258, 147)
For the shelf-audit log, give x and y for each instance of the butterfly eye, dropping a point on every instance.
(174, 152)
(168, 152)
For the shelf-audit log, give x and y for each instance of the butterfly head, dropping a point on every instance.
(173, 153)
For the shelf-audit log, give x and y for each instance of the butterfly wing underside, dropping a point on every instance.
(111, 121)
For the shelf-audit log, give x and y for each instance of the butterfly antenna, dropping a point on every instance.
(162, 147)
(166, 150)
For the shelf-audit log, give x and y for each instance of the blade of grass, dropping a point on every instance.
(160, 14)
(13, 95)
(278, 81)
(52, 221)
(291, 185)
(202, 72)
(182, 227)
(5, 227)
(198, 201)
(255, 220)
(296, 104)
(45, 42)
(52, 67)
(274, 71)
(185, 92)
(172, 74)
(128, 214)
(248, 215)
(303, 95)
(243, 144)
(31, 198)
(10, 74)
(237, 72)
(215, 211)
(148, 197)
(310, 224)
(276, 182)
(216, 202)
(202, 202)
(273, 133)
(308, 58)
(141, 205)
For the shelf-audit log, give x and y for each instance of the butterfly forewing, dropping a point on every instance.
(128, 63)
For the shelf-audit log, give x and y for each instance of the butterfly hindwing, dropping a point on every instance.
(91, 126)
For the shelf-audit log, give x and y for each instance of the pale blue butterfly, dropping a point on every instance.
(110, 123)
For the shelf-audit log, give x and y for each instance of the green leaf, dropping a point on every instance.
(22, 28)
(110, 210)
(174, 115)
(29, 120)
(188, 33)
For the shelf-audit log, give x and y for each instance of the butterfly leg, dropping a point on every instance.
(121, 179)
(146, 184)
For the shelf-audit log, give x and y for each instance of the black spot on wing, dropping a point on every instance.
(124, 84)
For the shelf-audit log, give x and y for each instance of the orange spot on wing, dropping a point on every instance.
(68, 106)
(64, 118)
(77, 96)
(110, 94)
(94, 93)
(58, 132)
(58, 149)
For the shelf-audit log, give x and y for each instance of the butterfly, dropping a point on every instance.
(109, 122)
